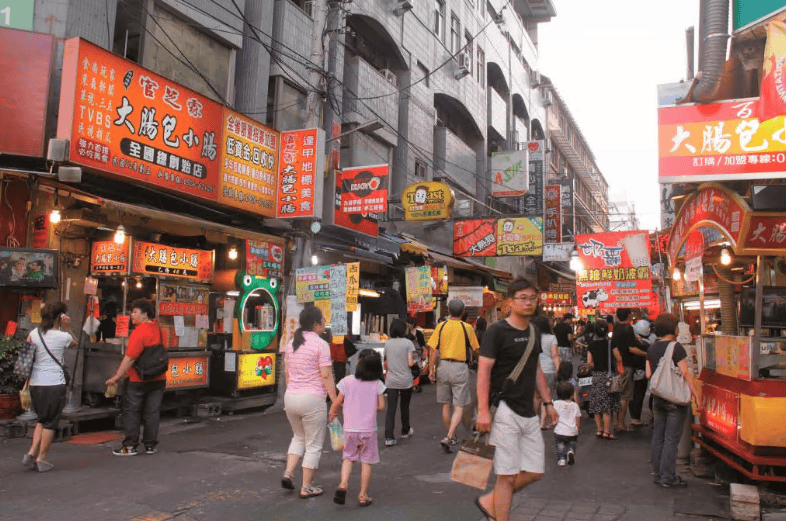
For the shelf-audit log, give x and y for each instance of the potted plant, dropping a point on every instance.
(10, 384)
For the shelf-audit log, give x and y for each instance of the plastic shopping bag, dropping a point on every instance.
(336, 435)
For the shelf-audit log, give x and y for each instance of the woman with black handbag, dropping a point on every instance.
(602, 401)
(48, 381)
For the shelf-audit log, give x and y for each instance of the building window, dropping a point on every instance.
(439, 19)
(423, 74)
(420, 169)
(455, 34)
(468, 51)
(481, 68)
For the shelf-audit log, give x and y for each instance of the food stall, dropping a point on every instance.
(177, 280)
(742, 363)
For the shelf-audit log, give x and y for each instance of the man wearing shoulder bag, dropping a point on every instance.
(142, 399)
(519, 458)
(669, 413)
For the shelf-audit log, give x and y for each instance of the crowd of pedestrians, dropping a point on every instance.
(513, 379)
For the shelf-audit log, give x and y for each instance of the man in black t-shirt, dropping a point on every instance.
(564, 333)
(625, 340)
(519, 458)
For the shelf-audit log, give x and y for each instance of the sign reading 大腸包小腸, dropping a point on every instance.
(156, 259)
(301, 174)
(17, 14)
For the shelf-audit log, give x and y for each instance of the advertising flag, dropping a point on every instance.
(773, 91)
(615, 273)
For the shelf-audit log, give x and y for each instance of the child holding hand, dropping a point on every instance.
(566, 431)
(362, 397)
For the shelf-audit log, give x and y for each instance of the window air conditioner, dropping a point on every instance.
(463, 60)
(547, 101)
(535, 79)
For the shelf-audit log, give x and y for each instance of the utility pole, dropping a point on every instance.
(314, 102)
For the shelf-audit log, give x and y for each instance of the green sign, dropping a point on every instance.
(17, 14)
(747, 12)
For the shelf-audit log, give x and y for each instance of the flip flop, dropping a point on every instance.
(340, 496)
(599, 434)
(286, 482)
(609, 436)
(364, 501)
(483, 511)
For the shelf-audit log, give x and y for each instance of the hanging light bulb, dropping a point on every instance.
(725, 257)
(54, 216)
(575, 262)
(120, 234)
(676, 274)
(232, 253)
(138, 284)
(314, 260)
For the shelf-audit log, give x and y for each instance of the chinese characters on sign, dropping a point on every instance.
(427, 201)
(439, 280)
(719, 410)
(125, 120)
(720, 141)
(312, 284)
(733, 356)
(533, 201)
(556, 298)
(361, 200)
(616, 271)
(249, 165)
(418, 285)
(181, 299)
(265, 259)
(338, 300)
(256, 370)
(520, 236)
(187, 372)
(552, 223)
(301, 174)
(353, 285)
(108, 257)
(512, 236)
(765, 234)
(156, 259)
(714, 205)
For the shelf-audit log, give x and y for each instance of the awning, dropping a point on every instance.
(563, 274)
(493, 271)
(468, 264)
(450, 261)
(414, 248)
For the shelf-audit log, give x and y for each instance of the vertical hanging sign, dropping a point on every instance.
(301, 174)
(552, 221)
(533, 201)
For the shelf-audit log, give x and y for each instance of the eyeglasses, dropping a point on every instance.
(527, 299)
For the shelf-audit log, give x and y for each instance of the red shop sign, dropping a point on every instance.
(475, 238)
(720, 410)
(765, 234)
(552, 222)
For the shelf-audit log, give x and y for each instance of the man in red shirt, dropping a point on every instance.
(142, 400)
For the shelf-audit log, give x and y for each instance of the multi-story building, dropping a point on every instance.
(622, 213)
(571, 158)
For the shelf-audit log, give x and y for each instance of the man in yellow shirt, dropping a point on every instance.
(452, 339)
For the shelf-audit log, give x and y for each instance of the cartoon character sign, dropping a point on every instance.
(421, 195)
(593, 298)
(254, 286)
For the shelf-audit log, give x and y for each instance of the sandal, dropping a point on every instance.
(599, 434)
(310, 491)
(340, 496)
(609, 436)
(364, 501)
(286, 482)
(446, 443)
(483, 511)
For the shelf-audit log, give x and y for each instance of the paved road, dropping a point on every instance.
(229, 469)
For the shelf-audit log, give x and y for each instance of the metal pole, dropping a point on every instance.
(314, 101)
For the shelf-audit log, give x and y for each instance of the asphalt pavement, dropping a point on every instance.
(229, 468)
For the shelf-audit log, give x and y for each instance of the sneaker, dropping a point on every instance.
(390, 442)
(150, 449)
(562, 462)
(125, 451)
(571, 457)
(408, 434)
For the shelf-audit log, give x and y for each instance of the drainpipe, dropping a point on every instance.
(713, 34)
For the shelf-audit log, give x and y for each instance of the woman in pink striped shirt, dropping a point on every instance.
(309, 378)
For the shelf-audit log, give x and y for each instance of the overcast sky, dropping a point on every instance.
(606, 58)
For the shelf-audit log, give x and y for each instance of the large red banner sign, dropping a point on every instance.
(616, 271)
(477, 238)
(552, 223)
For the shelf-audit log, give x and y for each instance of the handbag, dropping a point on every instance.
(475, 459)
(615, 383)
(66, 374)
(153, 361)
(349, 348)
(25, 400)
(23, 367)
(667, 382)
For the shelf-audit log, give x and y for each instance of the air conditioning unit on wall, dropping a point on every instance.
(547, 100)
(535, 79)
(464, 63)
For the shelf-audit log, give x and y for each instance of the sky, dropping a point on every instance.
(606, 59)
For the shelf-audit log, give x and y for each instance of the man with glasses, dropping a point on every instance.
(519, 458)
(454, 341)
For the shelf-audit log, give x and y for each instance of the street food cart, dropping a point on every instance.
(742, 363)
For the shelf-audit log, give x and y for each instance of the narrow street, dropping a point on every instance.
(229, 469)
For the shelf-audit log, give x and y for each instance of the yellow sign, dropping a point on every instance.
(256, 370)
(427, 201)
(733, 356)
(353, 285)
(520, 236)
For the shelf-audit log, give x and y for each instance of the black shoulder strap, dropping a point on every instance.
(467, 346)
(50, 352)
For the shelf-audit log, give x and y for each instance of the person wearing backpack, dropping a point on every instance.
(142, 399)
(669, 417)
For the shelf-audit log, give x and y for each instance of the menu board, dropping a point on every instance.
(265, 259)
(733, 356)
(109, 257)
